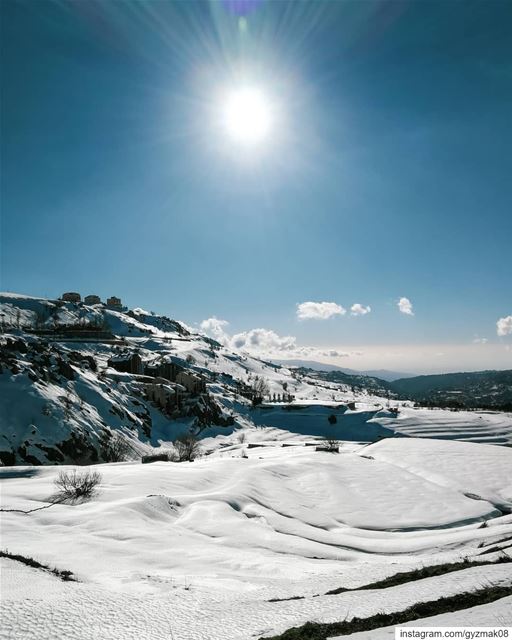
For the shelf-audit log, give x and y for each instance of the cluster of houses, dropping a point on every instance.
(112, 303)
(164, 382)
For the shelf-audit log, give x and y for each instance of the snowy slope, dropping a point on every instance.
(59, 402)
(57, 395)
(452, 465)
(493, 614)
(200, 548)
(42, 608)
(491, 427)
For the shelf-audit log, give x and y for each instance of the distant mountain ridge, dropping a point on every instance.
(491, 389)
(357, 381)
(474, 389)
(383, 374)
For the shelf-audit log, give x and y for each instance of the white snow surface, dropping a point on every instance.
(452, 464)
(199, 548)
(491, 427)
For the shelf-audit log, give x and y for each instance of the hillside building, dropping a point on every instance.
(193, 384)
(162, 369)
(114, 303)
(166, 395)
(92, 299)
(71, 296)
(127, 363)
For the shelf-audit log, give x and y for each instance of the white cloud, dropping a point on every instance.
(319, 310)
(262, 341)
(359, 309)
(265, 342)
(405, 306)
(504, 326)
(214, 327)
(480, 340)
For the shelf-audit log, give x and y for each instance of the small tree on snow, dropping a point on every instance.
(116, 449)
(187, 448)
(260, 389)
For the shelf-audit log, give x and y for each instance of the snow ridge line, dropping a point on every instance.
(458, 602)
(66, 576)
(409, 576)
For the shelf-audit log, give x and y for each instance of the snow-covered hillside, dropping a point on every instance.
(62, 400)
(248, 541)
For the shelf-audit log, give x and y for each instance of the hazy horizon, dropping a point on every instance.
(434, 358)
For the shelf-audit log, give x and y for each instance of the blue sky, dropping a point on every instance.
(387, 174)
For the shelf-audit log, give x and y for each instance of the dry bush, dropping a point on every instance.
(260, 386)
(75, 485)
(117, 449)
(333, 444)
(186, 448)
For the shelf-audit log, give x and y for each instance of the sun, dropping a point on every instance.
(247, 115)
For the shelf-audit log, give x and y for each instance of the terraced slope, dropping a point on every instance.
(484, 426)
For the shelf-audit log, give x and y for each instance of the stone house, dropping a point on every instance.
(92, 299)
(193, 383)
(127, 363)
(71, 296)
(166, 395)
(114, 303)
(162, 369)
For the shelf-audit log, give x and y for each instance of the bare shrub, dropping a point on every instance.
(75, 485)
(117, 449)
(333, 445)
(260, 389)
(187, 448)
(260, 386)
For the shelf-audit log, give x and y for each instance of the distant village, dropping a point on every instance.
(174, 384)
(165, 382)
(112, 303)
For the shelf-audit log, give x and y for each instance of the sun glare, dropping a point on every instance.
(247, 115)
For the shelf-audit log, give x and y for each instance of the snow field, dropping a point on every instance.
(199, 548)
